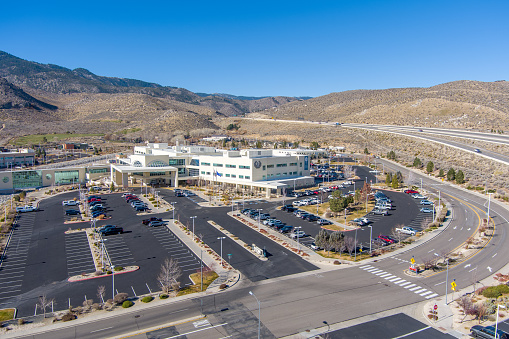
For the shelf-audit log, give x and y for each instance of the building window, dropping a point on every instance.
(208, 173)
(234, 176)
(157, 174)
(247, 177)
(156, 163)
(98, 170)
(270, 166)
(217, 165)
(22, 179)
(227, 175)
(293, 164)
(241, 177)
(137, 164)
(194, 162)
(281, 165)
(205, 163)
(263, 177)
(285, 174)
(202, 172)
(66, 177)
(278, 174)
(193, 172)
(264, 167)
(182, 170)
(177, 162)
(300, 164)
(244, 167)
(230, 166)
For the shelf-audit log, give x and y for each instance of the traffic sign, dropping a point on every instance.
(453, 285)
(412, 260)
(435, 307)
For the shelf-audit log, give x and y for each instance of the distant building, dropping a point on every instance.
(22, 157)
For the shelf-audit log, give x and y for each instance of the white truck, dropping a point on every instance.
(406, 230)
(26, 208)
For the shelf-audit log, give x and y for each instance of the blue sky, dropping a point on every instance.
(266, 48)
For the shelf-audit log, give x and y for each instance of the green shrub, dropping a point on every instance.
(108, 272)
(118, 268)
(163, 296)
(502, 288)
(147, 299)
(127, 304)
(491, 292)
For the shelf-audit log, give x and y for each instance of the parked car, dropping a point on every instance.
(141, 208)
(70, 203)
(147, 221)
(286, 229)
(406, 230)
(298, 234)
(380, 211)
(315, 247)
(488, 332)
(26, 208)
(379, 242)
(311, 217)
(156, 223)
(96, 214)
(291, 209)
(426, 202)
(72, 212)
(324, 222)
(418, 196)
(411, 192)
(387, 239)
(426, 210)
(284, 207)
(113, 230)
(96, 207)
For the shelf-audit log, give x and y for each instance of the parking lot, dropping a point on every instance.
(14, 264)
(77, 251)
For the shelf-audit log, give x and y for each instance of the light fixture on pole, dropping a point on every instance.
(221, 238)
(193, 217)
(259, 313)
(496, 324)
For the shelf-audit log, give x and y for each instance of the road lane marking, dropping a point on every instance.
(440, 283)
(412, 333)
(450, 239)
(202, 329)
(467, 265)
(489, 268)
(473, 269)
(494, 255)
(431, 251)
(102, 329)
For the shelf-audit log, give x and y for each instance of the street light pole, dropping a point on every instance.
(173, 205)
(193, 217)
(370, 237)
(297, 229)
(113, 279)
(489, 205)
(496, 324)
(221, 238)
(259, 210)
(259, 313)
(355, 244)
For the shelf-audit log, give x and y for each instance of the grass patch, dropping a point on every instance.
(208, 278)
(7, 314)
(39, 138)
(344, 256)
(129, 130)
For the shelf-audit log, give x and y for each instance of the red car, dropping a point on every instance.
(94, 199)
(411, 191)
(387, 239)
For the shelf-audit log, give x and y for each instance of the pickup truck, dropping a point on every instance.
(406, 230)
(26, 208)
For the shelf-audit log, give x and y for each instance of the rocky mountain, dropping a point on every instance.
(467, 104)
(13, 97)
(55, 79)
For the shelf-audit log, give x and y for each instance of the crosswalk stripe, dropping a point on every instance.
(365, 266)
(420, 291)
(390, 277)
(426, 293)
(375, 271)
(383, 272)
(395, 279)
(399, 282)
(411, 285)
(383, 276)
(431, 296)
(415, 288)
(404, 284)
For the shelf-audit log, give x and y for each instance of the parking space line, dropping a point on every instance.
(10, 292)
(1, 288)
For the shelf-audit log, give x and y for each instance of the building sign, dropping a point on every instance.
(306, 163)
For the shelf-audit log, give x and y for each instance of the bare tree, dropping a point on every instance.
(429, 263)
(101, 291)
(348, 171)
(168, 278)
(350, 244)
(44, 303)
(465, 302)
(396, 234)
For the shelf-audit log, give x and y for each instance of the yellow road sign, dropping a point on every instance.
(453, 286)
(412, 260)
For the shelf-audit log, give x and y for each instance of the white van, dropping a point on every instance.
(26, 208)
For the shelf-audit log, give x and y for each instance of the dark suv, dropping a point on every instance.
(111, 230)
(487, 332)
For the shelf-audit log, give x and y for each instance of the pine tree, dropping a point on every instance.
(451, 174)
(395, 182)
(460, 177)
(430, 166)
